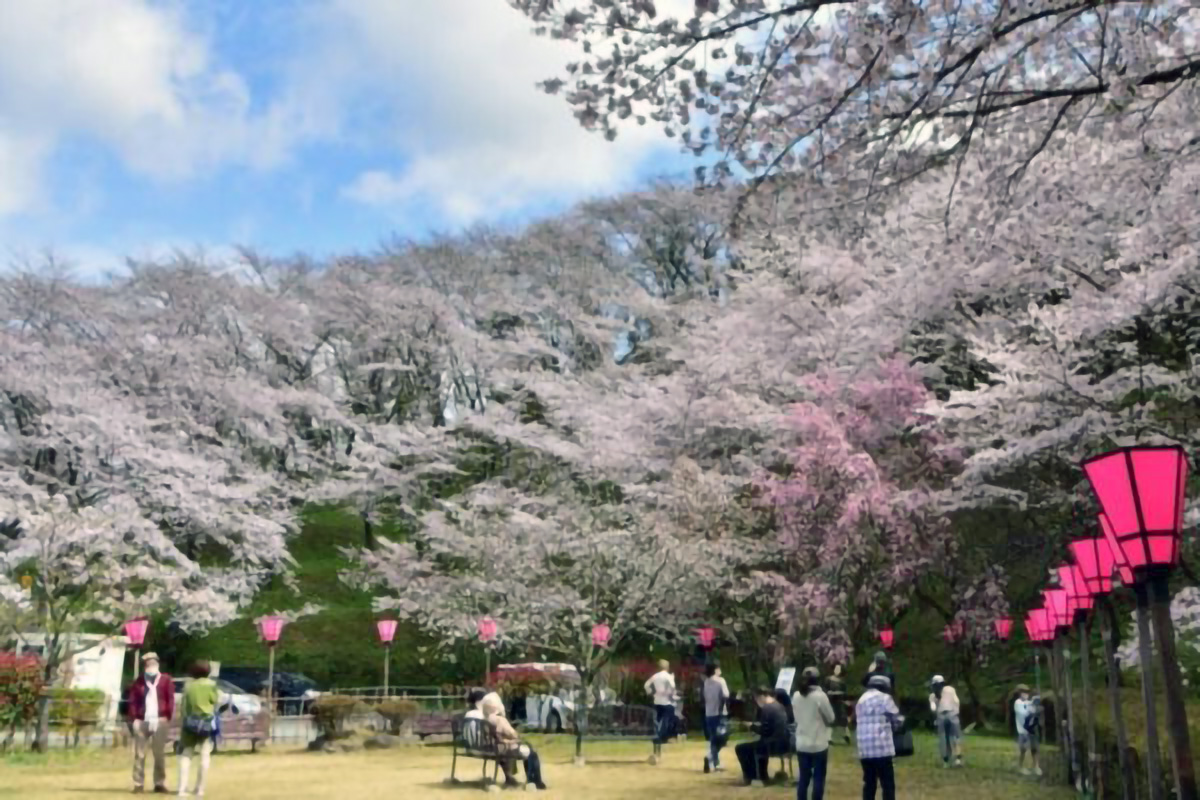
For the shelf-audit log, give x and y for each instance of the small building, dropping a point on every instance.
(100, 666)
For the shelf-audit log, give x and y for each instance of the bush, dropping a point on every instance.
(330, 713)
(76, 708)
(397, 712)
(20, 687)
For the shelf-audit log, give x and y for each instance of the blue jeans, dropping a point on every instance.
(710, 731)
(664, 718)
(812, 769)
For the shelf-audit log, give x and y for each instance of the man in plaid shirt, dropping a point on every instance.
(875, 713)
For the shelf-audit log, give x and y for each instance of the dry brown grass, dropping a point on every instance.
(613, 771)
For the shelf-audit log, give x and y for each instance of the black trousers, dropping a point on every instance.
(533, 768)
(878, 771)
(755, 760)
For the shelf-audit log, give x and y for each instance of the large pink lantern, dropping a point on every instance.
(135, 629)
(1141, 491)
(706, 636)
(1043, 624)
(387, 630)
(601, 634)
(487, 630)
(887, 638)
(1075, 585)
(270, 628)
(1095, 561)
(1059, 610)
(1004, 628)
(1114, 547)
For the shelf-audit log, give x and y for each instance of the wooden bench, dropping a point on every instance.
(434, 723)
(253, 728)
(474, 738)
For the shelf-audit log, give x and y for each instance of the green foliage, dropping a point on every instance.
(76, 708)
(397, 712)
(331, 711)
(20, 686)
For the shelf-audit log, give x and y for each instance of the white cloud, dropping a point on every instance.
(131, 74)
(477, 135)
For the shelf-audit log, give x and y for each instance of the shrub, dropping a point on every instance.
(330, 713)
(20, 687)
(397, 712)
(76, 708)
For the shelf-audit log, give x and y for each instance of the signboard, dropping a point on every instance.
(787, 676)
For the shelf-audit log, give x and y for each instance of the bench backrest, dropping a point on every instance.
(473, 734)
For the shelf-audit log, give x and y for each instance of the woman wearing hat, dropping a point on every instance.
(814, 716)
(943, 701)
(878, 717)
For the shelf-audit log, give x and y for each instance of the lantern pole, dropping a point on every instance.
(1064, 661)
(387, 659)
(1146, 662)
(1104, 609)
(1085, 630)
(1164, 635)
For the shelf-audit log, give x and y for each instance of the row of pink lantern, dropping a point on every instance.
(1141, 494)
(951, 633)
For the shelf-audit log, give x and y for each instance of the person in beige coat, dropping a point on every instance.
(814, 728)
(509, 741)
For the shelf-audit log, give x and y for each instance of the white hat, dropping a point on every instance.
(937, 679)
(151, 655)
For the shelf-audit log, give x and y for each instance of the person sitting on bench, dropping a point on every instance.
(773, 740)
(508, 741)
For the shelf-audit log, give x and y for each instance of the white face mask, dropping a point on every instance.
(151, 672)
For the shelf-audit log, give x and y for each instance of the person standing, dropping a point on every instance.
(661, 686)
(151, 706)
(198, 710)
(772, 729)
(814, 718)
(878, 717)
(943, 701)
(716, 696)
(1028, 730)
(881, 665)
(837, 698)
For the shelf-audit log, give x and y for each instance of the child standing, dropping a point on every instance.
(1028, 716)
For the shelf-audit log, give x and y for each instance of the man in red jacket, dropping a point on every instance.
(151, 706)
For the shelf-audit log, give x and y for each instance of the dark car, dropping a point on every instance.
(294, 692)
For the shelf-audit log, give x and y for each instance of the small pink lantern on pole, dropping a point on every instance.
(1004, 628)
(706, 637)
(887, 638)
(386, 628)
(950, 634)
(488, 630)
(135, 629)
(601, 633)
(270, 628)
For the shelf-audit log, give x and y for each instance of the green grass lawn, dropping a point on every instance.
(613, 771)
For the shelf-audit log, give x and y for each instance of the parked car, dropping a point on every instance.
(229, 697)
(294, 692)
(553, 711)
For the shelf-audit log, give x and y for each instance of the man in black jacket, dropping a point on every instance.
(880, 665)
(772, 730)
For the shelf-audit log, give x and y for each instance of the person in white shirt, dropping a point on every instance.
(661, 686)
(716, 695)
(1027, 738)
(944, 703)
(814, 721)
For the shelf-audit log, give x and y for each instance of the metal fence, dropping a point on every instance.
(299, 727)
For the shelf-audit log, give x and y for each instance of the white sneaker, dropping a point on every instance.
(1026, 771)
(1037, 771)
(718, 768)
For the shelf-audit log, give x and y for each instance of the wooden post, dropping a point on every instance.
(1128, 779)
(1073, 756)
(270, 686)
(1089, 771)
(1146, 660)
(387, 657)
(1181, 744)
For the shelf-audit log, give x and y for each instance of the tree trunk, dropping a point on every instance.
(581, 713)
(368, 533)
(1181, 744)
(1089, 769)
(972, 693)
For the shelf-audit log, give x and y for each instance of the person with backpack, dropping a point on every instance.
(943, 702)
(199, 714)
(716, 721)
(1029, 729)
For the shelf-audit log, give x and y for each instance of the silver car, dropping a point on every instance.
(229, 698)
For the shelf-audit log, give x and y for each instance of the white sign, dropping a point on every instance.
(786, 676)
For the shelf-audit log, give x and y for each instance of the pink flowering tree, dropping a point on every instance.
(856, 523)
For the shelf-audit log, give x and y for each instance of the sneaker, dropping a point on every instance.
(1037, 771)
(541, 785)
(718, 768)
(707, 767)
(958, 762)
(1026, 771)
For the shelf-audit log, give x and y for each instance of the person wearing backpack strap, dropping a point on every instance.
(199, 714)
(1028, 719)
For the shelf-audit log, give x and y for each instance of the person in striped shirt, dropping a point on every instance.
(877, 715)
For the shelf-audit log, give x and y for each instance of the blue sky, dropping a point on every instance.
(129, 127)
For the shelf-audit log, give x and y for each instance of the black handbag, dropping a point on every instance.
(902, 739)
(201, 726)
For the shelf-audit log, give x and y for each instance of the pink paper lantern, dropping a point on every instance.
(601, 634)
(270, 628)
(135, 629)
(1072, 580)
(1141, 491)
(1043, 624)
(707, 636)
(1004, 628)
(487, 630)
(887, 637)
(386, 629)
(1059, 610)
(1114, 548)
(1095, 561)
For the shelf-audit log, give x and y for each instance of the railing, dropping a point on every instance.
(299, 727)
